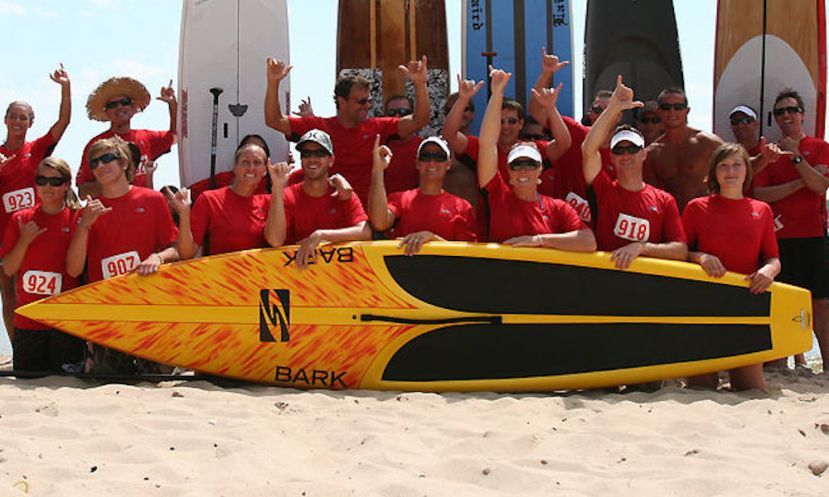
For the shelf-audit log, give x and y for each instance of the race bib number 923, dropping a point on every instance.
(19, 200)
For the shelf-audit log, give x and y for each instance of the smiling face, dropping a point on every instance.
(250, 166)
(19, 118)
(511, 125)
(787, 118)
(624, 159)
(355, 108)
(118, 111)
(48, 194)
(315, 161)
(731, 173)
(108, 166)
(432, 163)
(673, 110)
(744, 128)
(524, 174)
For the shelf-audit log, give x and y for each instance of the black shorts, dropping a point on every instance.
(45, 350)
(805, 263)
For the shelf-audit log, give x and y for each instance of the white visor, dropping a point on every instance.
(524, 151)
(745, 110)
(627, 135)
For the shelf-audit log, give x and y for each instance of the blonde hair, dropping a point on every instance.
(61, 167)
(117, 145)
(720, 154)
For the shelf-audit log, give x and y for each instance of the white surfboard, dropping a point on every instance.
(224, 44)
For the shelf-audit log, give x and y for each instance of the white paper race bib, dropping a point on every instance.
(120, 264)
(632, 228)
(778, 223)
(19, 199)
(42, 282)
(581, 205)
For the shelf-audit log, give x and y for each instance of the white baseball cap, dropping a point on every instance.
(627, 135)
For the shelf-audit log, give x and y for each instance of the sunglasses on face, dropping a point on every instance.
(622, 149)
(596, 109)
(398, 112)
(532, 136)
(48, 180)
(677, 106)
(115, 103)
(735, 121)
(432, 157)
(650, 120)
(103, 159)
(523, 164)
(791, 110)
(509, 120)
(317, 152)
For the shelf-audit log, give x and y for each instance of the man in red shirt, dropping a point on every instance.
(117, 100)
(312, 213)
(352, 132)
(18, 162)
(795, 187)
(401, 174)
(425, 213)
(744, 126)
(634, 218)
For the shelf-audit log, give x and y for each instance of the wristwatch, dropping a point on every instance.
(797, 159)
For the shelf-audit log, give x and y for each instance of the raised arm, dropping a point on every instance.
(491, 127)
(168, 96)
(452, 126)
(549, 66)
(181, 203)
(561, 135)
(418, 72)
(76, 254)
(277, 71)
(61, 77)
(379, 215)
(276, 226)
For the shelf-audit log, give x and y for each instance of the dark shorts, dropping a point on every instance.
(110, 361)
(805, 263)
(45, 350)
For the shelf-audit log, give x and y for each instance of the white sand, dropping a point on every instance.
(64, 437)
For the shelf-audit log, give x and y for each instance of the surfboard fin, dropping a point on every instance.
(238, 110)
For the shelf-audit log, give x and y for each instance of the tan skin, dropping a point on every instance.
(746, 135)
(678, 160)
(731, 175)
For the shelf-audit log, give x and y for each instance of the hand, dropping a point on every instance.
(790, 144)
(712, 265)
(29, 231)
(150, 167)
(279, 174)
(525, 241)
(180, 201)
(760, 280)
(623, 256)
(277, 70)
(60, 76)
(149, 265)
(414, 241)
(305, 109)
(167, 94)
(93, 210)
(821, 169)
(623, 96)
(381, 154)
(468, 88)
(307, 252)
(547, 97)
(342, 188)
(416, 70)
(498, 79)
(550, 63)
(5, 160)
(770, 152)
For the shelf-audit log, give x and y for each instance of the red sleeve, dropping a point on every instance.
(497, 189)
(354, 211)
(672, 225)
(43, 146)
(11, 235)
(762, 178)
(473, 146)
(200, 219)
(296, 176)
(395, 203)
(167, 231)
(567, 217)
(160, 143)
(289, 203)
(84, 173)
(465, 227)
(768, 246)
(600, 183)
(303, 124)
(690, 223)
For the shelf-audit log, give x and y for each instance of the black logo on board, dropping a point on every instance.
(274, 311)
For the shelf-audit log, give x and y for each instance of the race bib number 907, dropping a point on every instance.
(120, 264)
(632, 228)
(42, 282)
(19, 199)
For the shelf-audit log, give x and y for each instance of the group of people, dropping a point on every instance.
(533, 178)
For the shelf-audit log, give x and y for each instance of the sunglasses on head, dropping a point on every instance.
(398, 112)
(741, 120)
(317, 152)
(432, 157)
(509, 120)
(677, 106)
(650, 120)
(791, 110)
(622, 149)
(48, 180)
(103, 159)
(115, 103)
(523, 164)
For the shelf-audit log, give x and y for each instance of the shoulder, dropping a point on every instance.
(697, 204)
(708, 139)
(99, 136)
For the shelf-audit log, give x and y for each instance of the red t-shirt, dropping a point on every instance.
(17, 178)
(473, 146)
(510, 216)
(305, 214)
(739, 232)
(152, 144)
(138, 225)
(445, 215)
(352, 146)
(803, 213)
(234, 222)
(221, 180)
(649, 215)
(43, 271)
(402, 175)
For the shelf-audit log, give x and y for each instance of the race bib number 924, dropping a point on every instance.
(42, 282)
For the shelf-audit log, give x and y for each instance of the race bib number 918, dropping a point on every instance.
(632, 228)
(19, 200)
(42, 282)
(120, 264)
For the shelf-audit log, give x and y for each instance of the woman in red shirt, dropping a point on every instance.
(34, 247)
(729, 232)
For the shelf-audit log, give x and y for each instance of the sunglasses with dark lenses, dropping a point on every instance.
(791, 110)
(509, 120)
(317, 152)
(650, 120)
(51, 181)
(115, 103)
(523, 164)
(741, 120)
(531, 136)
(676, 106)
(596, 109)
(630, 149)
(432, 157)
(104, 159)
(398, 112)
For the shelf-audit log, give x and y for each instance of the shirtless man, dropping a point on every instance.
(678, 160)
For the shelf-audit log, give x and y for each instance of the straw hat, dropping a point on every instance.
(114, 87)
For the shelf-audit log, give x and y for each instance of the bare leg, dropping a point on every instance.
(747, 378)
(9, 302)
(820, 307)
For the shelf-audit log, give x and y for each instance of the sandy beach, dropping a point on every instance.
(67, 437)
